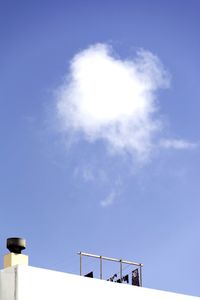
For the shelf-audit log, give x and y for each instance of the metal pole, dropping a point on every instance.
(80, 264)
(121, 270)
(140, 275)
(101, 274)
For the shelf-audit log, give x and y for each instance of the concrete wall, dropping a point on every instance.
(40, 284)
(8, 284)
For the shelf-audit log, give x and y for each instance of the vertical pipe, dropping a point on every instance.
(121, 270)
(140, 275)
(16, 284)
(101, 274)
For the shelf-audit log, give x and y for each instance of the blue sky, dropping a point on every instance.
(84, 180)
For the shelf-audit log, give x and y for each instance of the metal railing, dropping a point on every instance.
(120, 261)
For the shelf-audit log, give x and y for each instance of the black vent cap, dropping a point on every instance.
(16, 245)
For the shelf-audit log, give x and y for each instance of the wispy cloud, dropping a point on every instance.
(89, 173)
(85, 173)
(107, 98)
(177, 144)
(109, 200)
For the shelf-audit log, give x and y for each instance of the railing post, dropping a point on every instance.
(80, 264)
(121, 270)
(101, 274)
(140, 275)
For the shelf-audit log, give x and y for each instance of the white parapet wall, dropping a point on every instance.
(29, 283)
(8, 283)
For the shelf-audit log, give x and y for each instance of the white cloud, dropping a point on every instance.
(107, 98)
(109, 200)
(177, 144)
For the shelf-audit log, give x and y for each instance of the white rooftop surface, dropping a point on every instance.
(30, 283)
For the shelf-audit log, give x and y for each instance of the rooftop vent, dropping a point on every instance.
(16, 245)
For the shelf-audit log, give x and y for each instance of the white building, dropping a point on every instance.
(23, 282)
(18, 281)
